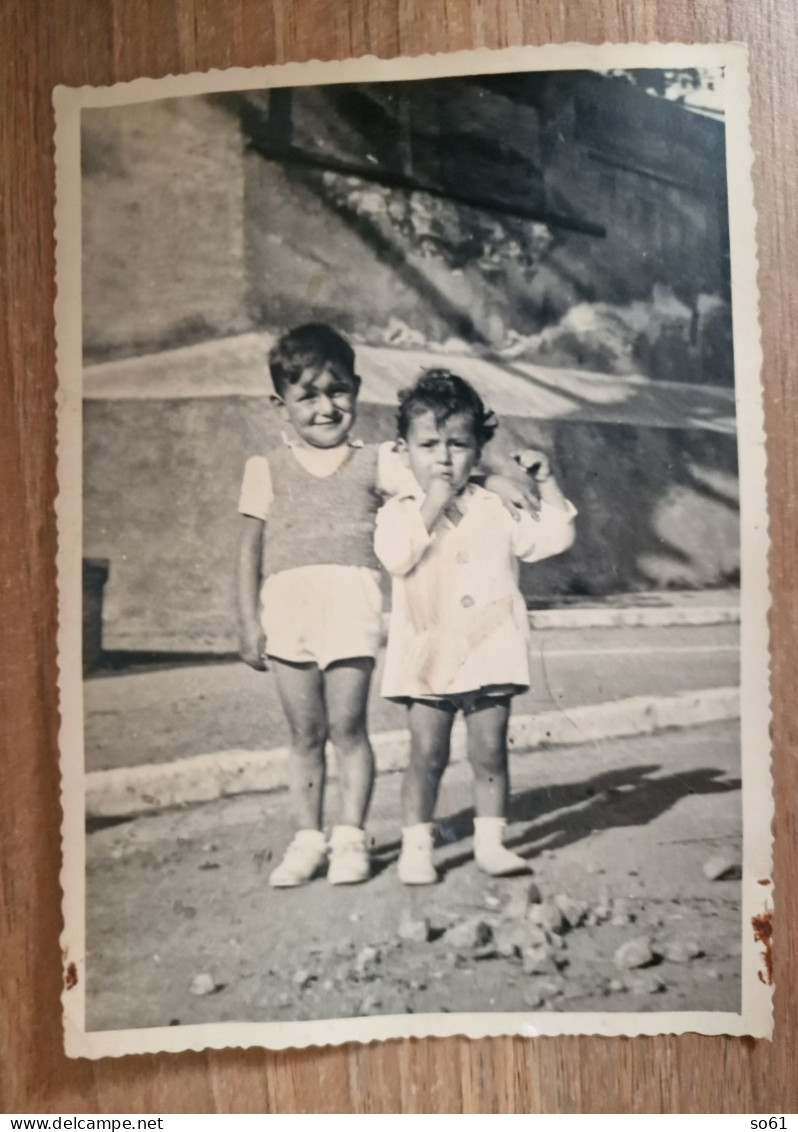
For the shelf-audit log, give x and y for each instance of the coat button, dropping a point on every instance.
(466, 601)
(461, 557)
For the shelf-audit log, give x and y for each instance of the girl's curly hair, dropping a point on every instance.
(443, 393)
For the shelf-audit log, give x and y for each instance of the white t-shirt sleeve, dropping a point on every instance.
(257, 494)
(551, 533)
(393, 475)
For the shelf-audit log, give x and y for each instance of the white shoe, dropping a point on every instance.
(349, 857)
(415, 861)
(491, 855)
(304, 859)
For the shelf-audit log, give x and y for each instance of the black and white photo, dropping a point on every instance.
(413, 552)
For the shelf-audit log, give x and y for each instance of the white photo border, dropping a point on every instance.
(755, 1017)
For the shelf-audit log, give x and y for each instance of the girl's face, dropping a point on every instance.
(446, 451)
(321, 406)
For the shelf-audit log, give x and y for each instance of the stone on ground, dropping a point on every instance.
(645, 982)
(547, 915)
(511, 938)
(370, 1005)
(598, 915)
(723, 866)
(621, 913)
(413, 929)
(203, 984)
(634, 953)
(533, 998)
(550, 988)
(681, 951)
(468, 935)
(367, 960)
(539, 960)
(520, 899)
(574, 912)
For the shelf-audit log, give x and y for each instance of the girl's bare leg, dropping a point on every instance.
(487, 725)
(430, 736)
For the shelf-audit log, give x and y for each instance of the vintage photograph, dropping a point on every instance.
(412, 514)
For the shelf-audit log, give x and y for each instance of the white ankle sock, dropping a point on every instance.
(347, 835)
(421, 834)
(489, 830)
(491, 854)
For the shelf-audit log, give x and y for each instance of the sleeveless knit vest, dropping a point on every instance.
(322, 521)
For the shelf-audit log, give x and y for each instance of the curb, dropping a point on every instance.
(128, 791)
(562, 617)
(634, 617)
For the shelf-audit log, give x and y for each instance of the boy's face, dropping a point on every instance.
(321, 406)
(446, 451)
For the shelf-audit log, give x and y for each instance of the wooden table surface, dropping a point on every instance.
(45, 42)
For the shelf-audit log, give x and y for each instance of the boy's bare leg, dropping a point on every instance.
(487, 725)
(301, 690)
(346, 692)
(430, 736)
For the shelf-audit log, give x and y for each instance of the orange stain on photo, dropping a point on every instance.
(763, 933)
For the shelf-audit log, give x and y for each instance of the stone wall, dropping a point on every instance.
(658, 509)
(308, 262)
(163, 226)
(191, 231)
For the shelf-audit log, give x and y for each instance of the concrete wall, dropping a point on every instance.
(657, 508)
(601, 151)
(163, 226)
(190, 233)
(652, 174)
(307, 262)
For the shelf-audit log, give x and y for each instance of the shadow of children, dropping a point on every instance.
(560, 815)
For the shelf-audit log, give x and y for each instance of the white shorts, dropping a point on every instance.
(322, 614)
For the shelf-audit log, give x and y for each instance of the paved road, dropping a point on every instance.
(160, 715)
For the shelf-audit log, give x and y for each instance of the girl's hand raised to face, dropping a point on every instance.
(440, 493)
(441, 489)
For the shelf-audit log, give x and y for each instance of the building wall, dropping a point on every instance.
(601, 152)
(163, 226)
(307, 262)
(189, 233)
(657, 509)
(653, 175)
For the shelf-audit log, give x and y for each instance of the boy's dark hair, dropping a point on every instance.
(313, 344)
(443, 393)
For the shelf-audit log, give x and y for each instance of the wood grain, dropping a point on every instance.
(44, 42)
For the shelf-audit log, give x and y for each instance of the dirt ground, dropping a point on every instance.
(183, 928)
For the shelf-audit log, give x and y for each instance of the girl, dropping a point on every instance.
(459, 630)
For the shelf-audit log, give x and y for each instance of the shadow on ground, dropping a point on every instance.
(615, 799)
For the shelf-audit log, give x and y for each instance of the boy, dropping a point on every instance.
(319, 623)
